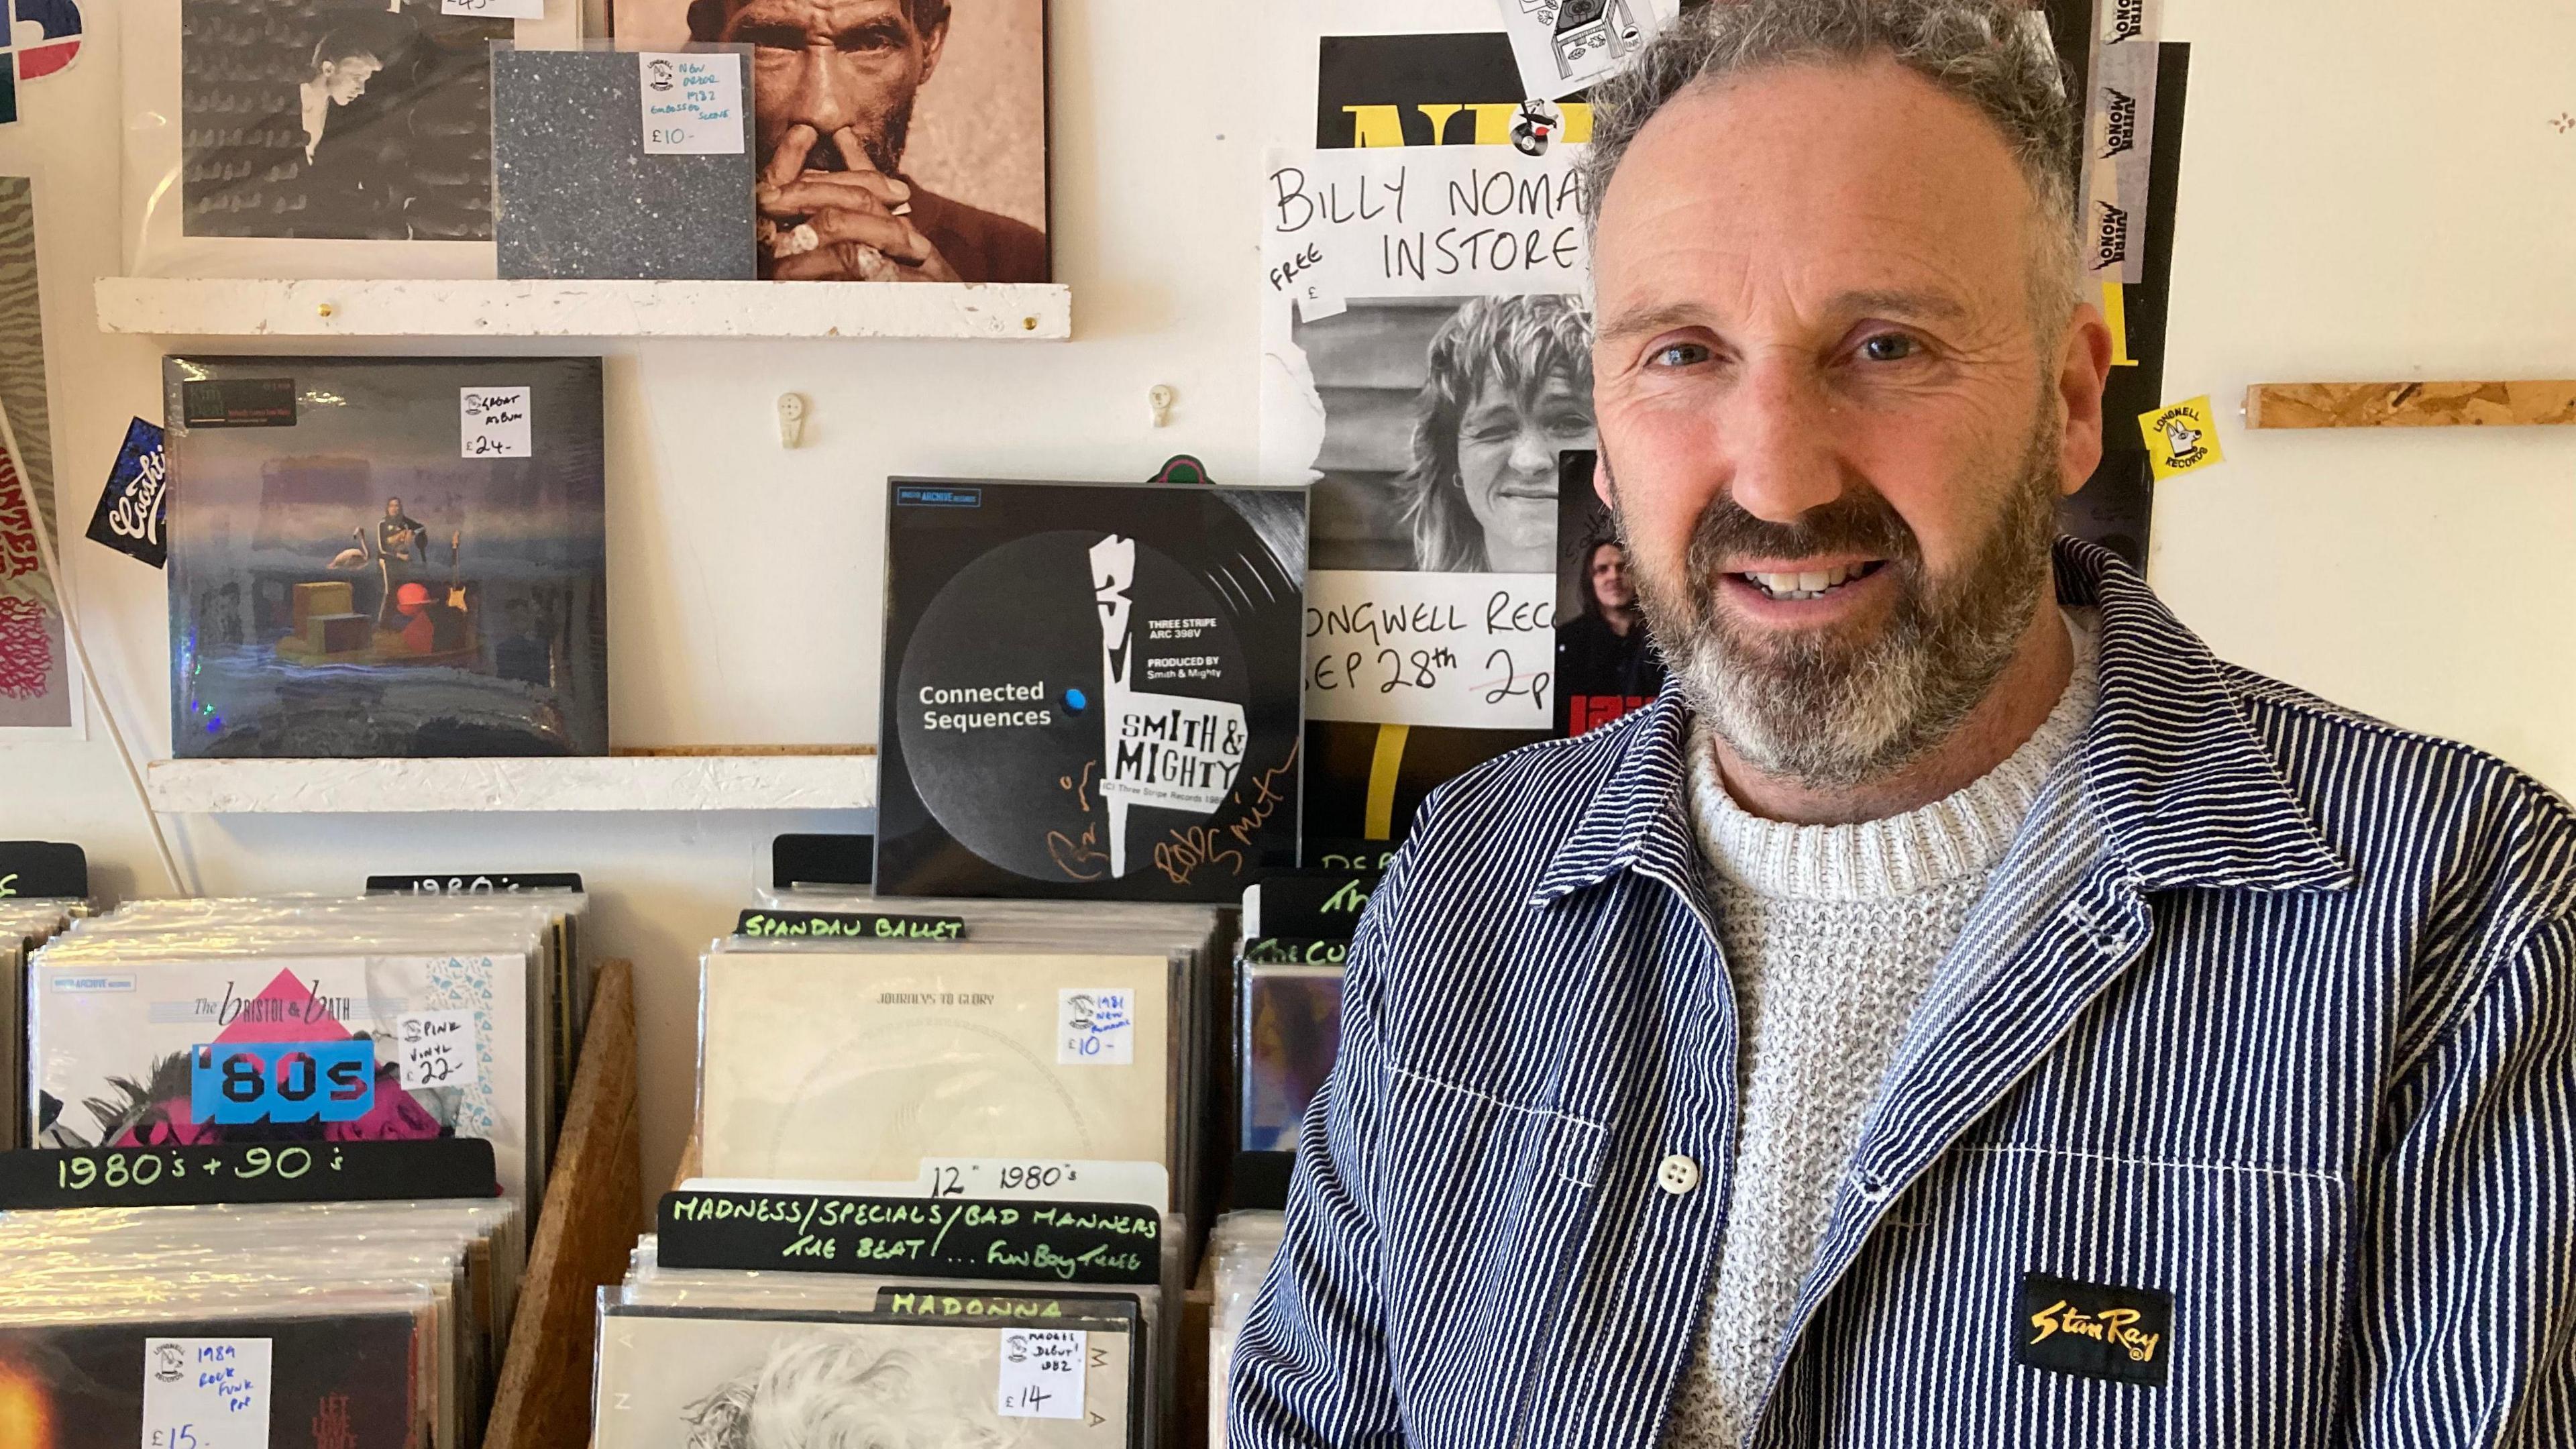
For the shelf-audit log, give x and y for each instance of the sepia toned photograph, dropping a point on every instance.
(896, 140)
(335, 119)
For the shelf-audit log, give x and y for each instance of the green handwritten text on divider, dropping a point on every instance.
(844, 924)
(1057, 1242)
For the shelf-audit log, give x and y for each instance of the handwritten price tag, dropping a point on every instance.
(205, 1393)
(692, 104)
(437, 1049)
(1043, 1372)
(495, 9)
(497, 422)
(1095, 1027)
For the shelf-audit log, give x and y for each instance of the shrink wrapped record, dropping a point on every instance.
(735, 1379)
(1091, 690)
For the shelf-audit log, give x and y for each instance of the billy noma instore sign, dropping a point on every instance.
(1091, 690)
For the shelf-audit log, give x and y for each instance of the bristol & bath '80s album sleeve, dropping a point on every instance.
(718, 1379)
(1091, 690)
(386, 557)
(284, 1049)
(854, 1067)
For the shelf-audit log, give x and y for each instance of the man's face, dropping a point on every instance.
(1507, 449)
(346, 80)
(836, 65)
(1831, 425)
(1610, 578)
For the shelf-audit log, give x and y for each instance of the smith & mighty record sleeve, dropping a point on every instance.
(1092, 690)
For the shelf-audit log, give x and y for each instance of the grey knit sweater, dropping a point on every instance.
(1832, 935)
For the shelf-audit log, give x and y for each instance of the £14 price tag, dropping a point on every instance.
(282, 1081)
(1095, 1027)
(205, 1393)
(1042, 1372)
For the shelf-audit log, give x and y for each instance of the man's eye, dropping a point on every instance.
(1890, 347)
(1678, 354)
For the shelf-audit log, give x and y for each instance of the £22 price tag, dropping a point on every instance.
(205, 1393)
(1042, 1372)
(1095, 1027)
(437, 1049)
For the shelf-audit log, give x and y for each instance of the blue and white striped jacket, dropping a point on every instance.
(2272, 1012)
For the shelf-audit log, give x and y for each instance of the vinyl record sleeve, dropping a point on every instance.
(387, 557)
(829, 1067)
(737, 1380)
(114, 1048)
(1090, 690)
(334, 1378)
(1291, 1028)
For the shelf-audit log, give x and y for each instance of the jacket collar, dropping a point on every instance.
(2187, 794)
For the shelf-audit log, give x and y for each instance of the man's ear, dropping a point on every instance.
(932, 41)
(2083, 372)
(1604, 487)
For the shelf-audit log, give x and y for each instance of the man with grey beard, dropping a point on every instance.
(1960, 1011)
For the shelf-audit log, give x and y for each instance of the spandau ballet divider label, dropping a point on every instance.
(849, 925)
(953, 1238)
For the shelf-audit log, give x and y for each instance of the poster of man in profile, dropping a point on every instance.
(896, 140)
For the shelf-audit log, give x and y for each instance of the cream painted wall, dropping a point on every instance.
(2365, 195)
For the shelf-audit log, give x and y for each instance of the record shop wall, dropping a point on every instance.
(2369, 191)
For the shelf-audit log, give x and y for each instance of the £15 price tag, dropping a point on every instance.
(1042, 1372)
(282, 1081)
(205, 1393)
(496, 9)
(1095, 1027)
(437, 1049)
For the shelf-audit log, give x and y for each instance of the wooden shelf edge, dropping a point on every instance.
(674, 781)
(482, 307)
(2530, 402)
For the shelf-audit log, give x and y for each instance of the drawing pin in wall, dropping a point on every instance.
(791, 420)
(1161, 397)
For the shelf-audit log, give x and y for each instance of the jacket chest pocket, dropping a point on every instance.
(1482, 1202)
(2237, 1271)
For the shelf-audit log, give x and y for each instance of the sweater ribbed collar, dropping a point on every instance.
(1959, 836)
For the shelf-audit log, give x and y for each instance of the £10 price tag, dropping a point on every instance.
(282, 1081)
(205, 1393)
(1095, 1027)
(1042, 1372)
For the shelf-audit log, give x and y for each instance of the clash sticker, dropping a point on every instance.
(2181, 438)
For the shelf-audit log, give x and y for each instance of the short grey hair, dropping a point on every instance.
(1993, 54)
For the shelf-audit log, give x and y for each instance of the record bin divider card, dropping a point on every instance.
(951, 1237)
(247, 1172)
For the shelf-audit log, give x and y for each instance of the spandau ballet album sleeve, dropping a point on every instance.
(836, 1067)
(1091, 690)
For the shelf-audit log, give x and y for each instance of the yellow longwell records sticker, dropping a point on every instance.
(2181, 437)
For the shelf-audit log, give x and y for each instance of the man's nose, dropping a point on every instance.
(1533, 450)
(1777, 427)
(819, 101)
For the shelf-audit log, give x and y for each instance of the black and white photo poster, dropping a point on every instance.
(1426, 358)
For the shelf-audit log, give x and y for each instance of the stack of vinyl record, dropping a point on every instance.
(24, 926)
(167, 1023)
(338, 1324)
(701, 1358)
(1032, 1056)
(1288, 1015)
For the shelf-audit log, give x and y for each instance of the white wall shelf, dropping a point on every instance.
(782, 781)
(214, 307)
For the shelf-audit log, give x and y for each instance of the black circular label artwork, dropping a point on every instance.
(1070, 698)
